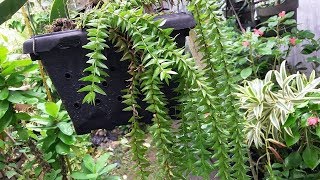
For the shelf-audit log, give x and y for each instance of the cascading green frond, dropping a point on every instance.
(202, 135)
(124, 44)
(220, 61)
(97, 34)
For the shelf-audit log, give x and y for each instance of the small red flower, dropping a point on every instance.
(293, 41)
(312, 121)
(245, 43)
(282, 14)
(257, 32)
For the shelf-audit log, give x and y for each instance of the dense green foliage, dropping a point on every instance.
(243, 109)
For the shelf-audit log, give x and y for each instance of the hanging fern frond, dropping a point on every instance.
(97, 34)
(137, 140)
(221, 67)
(204, 130)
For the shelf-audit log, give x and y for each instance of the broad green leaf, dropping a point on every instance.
(113, 178)
(23, 134)
(62, 148)
(318, 131)
(4, 94)
(23, 116)
(59, 10)
(291, 140)
(293, 160)
(6, 120)
(290, 121)
(245, 73)
(79, 175)
(89, 163)
(3, 56)
(2, 144)
(48, 141)
(107, 169)
(11, 173)
(52, 109)
(102, 161)
(9, 8)
(69, 140)
(4, 106)
(311, 157)
(65, 128)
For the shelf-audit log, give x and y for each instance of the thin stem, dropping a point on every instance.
(14, 141)
(254, 174)
(32, 32)
(68, 164)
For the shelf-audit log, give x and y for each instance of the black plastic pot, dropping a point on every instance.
(64, 60)
(265, 13)
(287, 6)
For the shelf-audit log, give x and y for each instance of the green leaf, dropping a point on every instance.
(8, 8)
(113, 178)
(293, 160)
(245, 73)
(3, 57)
(23, 134)
(48, 141)
(2, 144)
(6, 120)
(290, 121)
(62, 148)
(318, 131)
(59, 10)
(4, 93)
(52, 109)
(65, 128)
(10, 174)
(23, 116)
(89, 163)
(291, 140)
(311, 157)
(79, 175)
(69, 140)
(102, 161)
(107, 169)
(4, 106)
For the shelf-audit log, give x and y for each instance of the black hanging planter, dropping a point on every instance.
(64, 59)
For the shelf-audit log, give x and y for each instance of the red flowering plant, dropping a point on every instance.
(261, 52)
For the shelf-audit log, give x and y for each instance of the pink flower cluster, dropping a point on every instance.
(312, 121)
(282, 14)
(258, 32)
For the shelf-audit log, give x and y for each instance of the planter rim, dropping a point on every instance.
(177, 21)
(288, 5)
(46, 42)
(63, 39)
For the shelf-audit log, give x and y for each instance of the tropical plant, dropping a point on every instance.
(204, 116)
(95, 169)
(267, 105)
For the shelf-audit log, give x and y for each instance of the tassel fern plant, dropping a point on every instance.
(209, 137)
